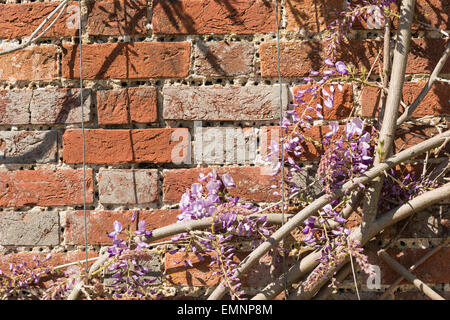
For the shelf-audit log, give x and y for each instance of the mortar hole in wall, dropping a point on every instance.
(402, 243)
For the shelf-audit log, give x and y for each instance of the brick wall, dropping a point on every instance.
(155, 71)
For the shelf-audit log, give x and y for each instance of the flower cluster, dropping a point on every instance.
(126, 267)
(371, 12)
(23, 276)
(346, 157)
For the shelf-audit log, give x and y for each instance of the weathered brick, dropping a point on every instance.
(28, 146)
(226, 104)
(250, 183)
(136, 60)
(50, 106)
(100, 223)
(161, 145)
(311, 15)
(58, 258)
(343, 103)
(231, 145)
(126, 146)
(117, 186)
(434, 270)
(437, 101)
(44, 187)
(123, 17)
(22, 65)
(14, 106)
(223, 59)
(43, 106)
(19, 20)
(213, 17)
(299, 57)
(29, 228)
(407, 137)
(201, 274)
(125, 106)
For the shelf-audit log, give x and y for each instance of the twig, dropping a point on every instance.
(412, 268)
(419, 284)
(33, 38)
(434, 76)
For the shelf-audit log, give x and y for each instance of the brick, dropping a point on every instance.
(311, 15)
(29, 228)
(55, 106)
(126, 146)
(434, 12)
(213, 17)
(21, 65)
(20, 20)
(407, 137)
(43, 106)
(28, 146)
(425, 54)
(434, 270)
(223, 59)
(125, 106)
(437, 101)
(138, 60)
(14, 106)
(231, 145)
(44, 187)
(250, 183)
(299, 57)
(201, 274)
(117, 186)
(58, 258)
(123, 17)
(224, 104)
(161, 145)
(100, 223)
(343, 103)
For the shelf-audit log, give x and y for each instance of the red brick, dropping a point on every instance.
(311, 15)
(119, 17)
(217, 59)
(125, 106)
(100, 223)
(121, 186)
(124, 146)
(437, 101)
(201, 274)
(138, 60)
(19, 20)
(44, 187)
(299, 57)
(102, 146)
(160, 145)
(58, 258)
(21, 65)
(434, 270)
(213, 17)
(407, 137)
(343, 103)
(251, 184)
(225, 104)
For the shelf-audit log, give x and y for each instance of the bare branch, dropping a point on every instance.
(419, 284)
